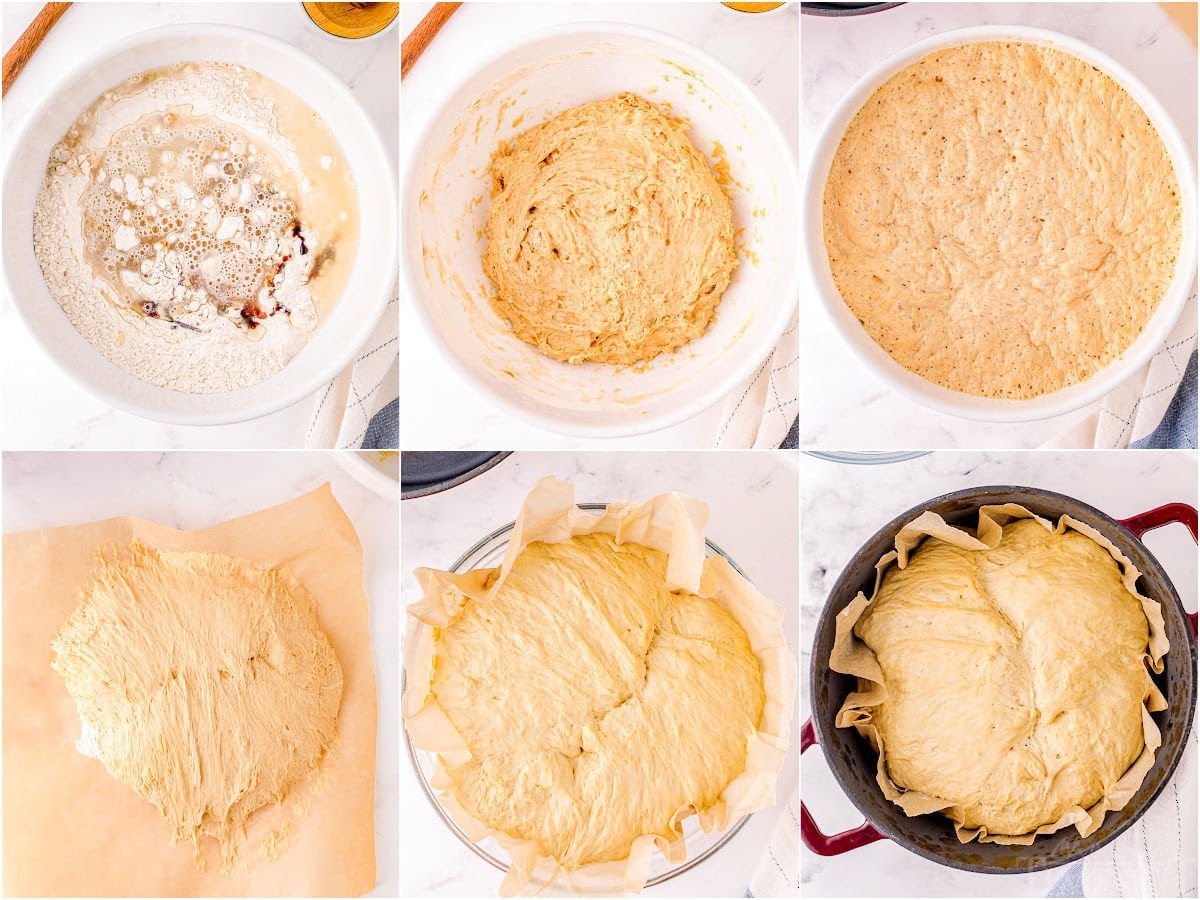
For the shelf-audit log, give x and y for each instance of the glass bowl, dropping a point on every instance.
(489, 552)
(867, 457)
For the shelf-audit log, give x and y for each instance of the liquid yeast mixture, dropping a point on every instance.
(196, 223)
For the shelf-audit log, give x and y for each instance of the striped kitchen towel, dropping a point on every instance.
(1137, 407)
(1178, 427)
(778, 874)
(343, 408)
(760, 412)
(1156, 856)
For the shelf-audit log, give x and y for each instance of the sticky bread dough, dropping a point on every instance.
(1014, 676)
(596, 703)
(1002, 218)
(205, 682)
(608, 238)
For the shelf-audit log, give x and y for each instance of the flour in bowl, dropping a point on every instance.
(195, 224)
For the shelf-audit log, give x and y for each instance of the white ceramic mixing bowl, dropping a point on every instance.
(344, 330)
(445, 196)
(935, 396)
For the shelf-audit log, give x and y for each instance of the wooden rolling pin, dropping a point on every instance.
(31, 38)
(416, 42)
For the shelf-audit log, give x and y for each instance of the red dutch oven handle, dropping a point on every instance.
(830, 844)
(1167, 514)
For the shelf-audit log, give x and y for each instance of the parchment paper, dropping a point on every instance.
(671, 523)
(71, 829)
(851, 656)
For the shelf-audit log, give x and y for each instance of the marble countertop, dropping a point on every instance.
(194, 490)
(843, 506)
(762, 49)
(44, 408)
(752, 501)
(853, 409)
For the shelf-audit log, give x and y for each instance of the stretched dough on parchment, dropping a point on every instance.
(204, 683)
(71, 829)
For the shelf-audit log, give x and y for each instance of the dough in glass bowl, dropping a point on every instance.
(603, 685)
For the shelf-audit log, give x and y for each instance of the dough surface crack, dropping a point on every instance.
(577, 745)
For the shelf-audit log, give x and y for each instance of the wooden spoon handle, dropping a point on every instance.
(31, 38)
(419, 38)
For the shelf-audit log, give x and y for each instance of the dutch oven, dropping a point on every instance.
(845, 9)
(430, 472)
(932, 836)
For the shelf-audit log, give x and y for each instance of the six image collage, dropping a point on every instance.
(478, 449)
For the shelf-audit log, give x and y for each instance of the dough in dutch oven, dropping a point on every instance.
(1004, 678)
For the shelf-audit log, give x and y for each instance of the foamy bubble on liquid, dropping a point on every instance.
(196, 187)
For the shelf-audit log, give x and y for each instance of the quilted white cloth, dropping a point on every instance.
(760, 412)
(778, 874)
(1156, 856)
(343, 408)
(1135, 408)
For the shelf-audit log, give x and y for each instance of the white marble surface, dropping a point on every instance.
(753, 502)
(762, 49)
(854, 409)
(196, 490)
(844, 505)
(42, 408)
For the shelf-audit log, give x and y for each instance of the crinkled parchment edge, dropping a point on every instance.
(674, 524)
(851, 656)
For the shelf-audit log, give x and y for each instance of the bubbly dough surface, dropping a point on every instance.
(595, 702)
(206, 683)
(1015, 676)
(1002, 218)
(608, 239)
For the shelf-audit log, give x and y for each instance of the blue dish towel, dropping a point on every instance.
(1177, 430)
(1071, 884)
(383, 431)
(792, 441)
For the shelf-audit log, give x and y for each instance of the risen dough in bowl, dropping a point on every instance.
(609, 239)
(1005, 677)
(1002, 218)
